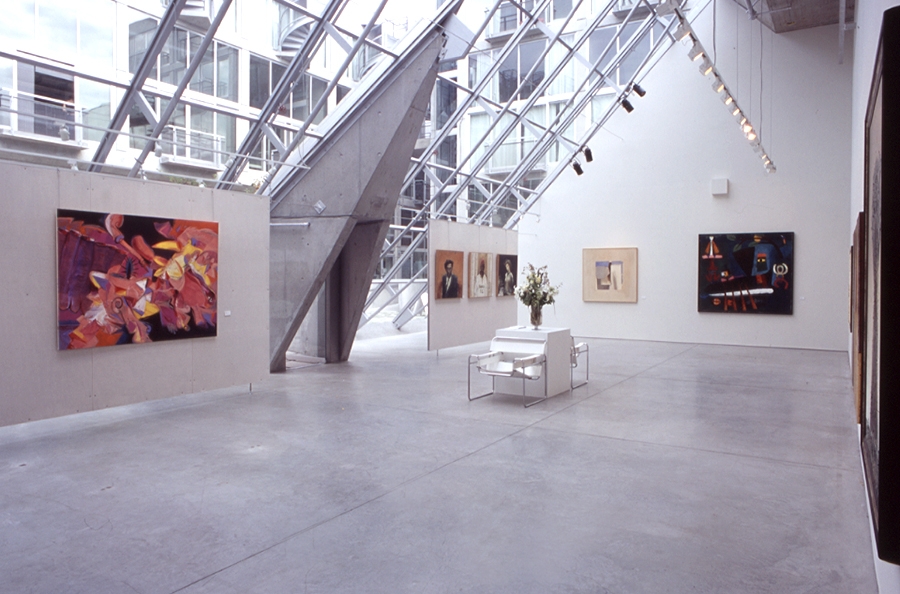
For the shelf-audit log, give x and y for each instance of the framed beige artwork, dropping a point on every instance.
(609, 275)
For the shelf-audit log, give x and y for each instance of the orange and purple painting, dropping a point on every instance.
(133, 279)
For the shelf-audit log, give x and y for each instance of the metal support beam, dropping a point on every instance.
(159, 126)
(323, 100)
(166, 24)
(297, 66)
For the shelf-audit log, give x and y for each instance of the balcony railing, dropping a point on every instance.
(25, 113)
(187, 145)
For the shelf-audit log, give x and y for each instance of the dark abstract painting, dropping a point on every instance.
(746, 273)
(133, 279)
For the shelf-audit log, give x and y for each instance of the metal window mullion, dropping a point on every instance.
(563, 164)
(298, 64)
(543, 144)
(323, 100)
(306, 12)
(394, 295)
(182, 85)
(533, 98)
(166, 24)
(413, 245)
(461, 110)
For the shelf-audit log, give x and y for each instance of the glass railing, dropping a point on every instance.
(192, 144)
(26, 113)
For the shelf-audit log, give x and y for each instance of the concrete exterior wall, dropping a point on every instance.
(649, 187)
(38, 381)
(455, 322)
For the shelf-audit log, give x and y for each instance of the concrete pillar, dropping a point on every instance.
(356, 172)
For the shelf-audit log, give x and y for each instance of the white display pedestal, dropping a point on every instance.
(557, 348)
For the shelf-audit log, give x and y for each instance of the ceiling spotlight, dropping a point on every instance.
(627, 105)
(745, 126)
(751, 135)
(696, 52)
(706, 67)
(577, 167)
(736, 111)
(588, 155)
(718, 86)
(682, 32)
(727, 99)
(638, 89)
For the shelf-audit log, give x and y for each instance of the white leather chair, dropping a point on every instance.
(577, 350)
(512, 358)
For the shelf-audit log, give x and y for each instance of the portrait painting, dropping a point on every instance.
(750, 273)
(448, 274)
(507, 264)
(134, 279)
(481, 274)
(609, 275)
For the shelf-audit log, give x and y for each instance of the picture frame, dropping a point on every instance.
(449, 284)
(507, 274)
(745, 273)
(609, 275)
(481, 274)
(133, 279)
(880, 441)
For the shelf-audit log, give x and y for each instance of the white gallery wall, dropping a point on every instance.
(455, 322)
(649, 187)
(38, 381)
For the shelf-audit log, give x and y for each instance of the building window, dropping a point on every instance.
(57, 28)
(259, 82)
(140, 35)
(203, 79)
(94, 102)
(514, 71)
(173, 58)
(226, 72)
(561, 8)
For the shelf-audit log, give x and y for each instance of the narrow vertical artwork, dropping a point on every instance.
(481, 274)
(448, 274)
(133, 279)
(750, 273)
(507, 265)
(858, 314)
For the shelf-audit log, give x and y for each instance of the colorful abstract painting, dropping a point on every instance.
(746, 273)
(133, 279)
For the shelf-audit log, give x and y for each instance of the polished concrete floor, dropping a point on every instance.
(678, 468)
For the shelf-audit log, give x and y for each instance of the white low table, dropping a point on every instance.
(557, 348)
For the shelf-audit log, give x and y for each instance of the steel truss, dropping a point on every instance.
(470, 172)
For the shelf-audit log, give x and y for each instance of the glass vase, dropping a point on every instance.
(536, 316)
